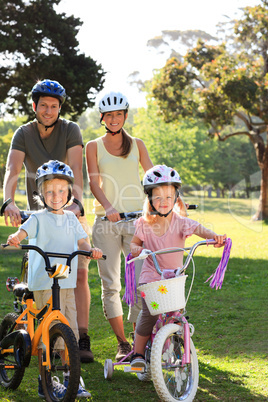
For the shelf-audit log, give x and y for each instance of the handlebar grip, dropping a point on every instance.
(80, 205)
(7, 246)
(122, 216)
(193, 206)
(8, 201)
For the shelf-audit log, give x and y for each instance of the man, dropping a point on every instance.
(50, 137)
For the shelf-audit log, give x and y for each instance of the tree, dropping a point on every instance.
(37, 43)
(225, 87)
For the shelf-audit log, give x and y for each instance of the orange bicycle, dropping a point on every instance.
(20, 337)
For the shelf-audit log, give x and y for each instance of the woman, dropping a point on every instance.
(113, 170)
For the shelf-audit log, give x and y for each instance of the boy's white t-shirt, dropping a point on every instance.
(53, 233)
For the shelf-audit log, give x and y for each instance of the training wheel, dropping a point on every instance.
(108, 369)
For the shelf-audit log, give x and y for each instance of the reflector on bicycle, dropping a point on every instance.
(61, 271)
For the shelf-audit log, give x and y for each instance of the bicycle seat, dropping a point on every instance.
(21, 289)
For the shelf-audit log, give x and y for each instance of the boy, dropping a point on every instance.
(58, 230)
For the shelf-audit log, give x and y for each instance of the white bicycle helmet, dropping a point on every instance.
(54, 170)
(113, 101)
(160, 175)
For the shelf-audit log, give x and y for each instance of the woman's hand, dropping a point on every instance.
(112, 215)
(96, 253)
(220, 239)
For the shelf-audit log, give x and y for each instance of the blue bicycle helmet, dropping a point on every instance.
(48, 88)
(54, 170)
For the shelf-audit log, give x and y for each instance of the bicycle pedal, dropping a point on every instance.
(129, 369)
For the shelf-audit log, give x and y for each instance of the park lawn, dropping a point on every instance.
(230, 324)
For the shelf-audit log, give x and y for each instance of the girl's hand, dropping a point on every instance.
(136, 250)
(13, 240)
(112, 215)
(220, 239)
(96, 253)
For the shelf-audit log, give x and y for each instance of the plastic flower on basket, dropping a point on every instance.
(162, 289)
(155, 305)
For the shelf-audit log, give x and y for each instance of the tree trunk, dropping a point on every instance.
(262, 212)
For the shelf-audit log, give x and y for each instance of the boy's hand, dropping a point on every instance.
(13, 240)
(96, 253)
(135, 251)
(220, 239)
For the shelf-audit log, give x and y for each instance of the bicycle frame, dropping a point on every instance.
(48, 313)
(27, 318)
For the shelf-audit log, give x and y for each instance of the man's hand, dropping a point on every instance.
(75, 209)
(13, 213)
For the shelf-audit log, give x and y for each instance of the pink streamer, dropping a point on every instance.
(218, 276)
(130, 296)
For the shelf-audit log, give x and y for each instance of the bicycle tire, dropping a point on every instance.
(146, 376)
(61, 335)
(9, 378)
(171, 381)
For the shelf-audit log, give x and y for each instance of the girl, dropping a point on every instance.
(161, 227)
(113, 170)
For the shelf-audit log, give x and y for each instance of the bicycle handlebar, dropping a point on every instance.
(26, 214)
(130, 216)
(127, 216)
(46, 255)
(146, 253)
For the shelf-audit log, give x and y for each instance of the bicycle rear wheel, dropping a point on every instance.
(172, 381)
(9, 377)
(65, 358)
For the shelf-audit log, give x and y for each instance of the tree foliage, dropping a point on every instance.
(227, 88)
(185, 146)
(37, 43)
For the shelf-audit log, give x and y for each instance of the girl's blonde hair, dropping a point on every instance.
(179, 208)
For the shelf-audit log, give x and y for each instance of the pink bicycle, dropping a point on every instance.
(171, 359)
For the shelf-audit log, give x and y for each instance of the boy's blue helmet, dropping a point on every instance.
(54, 170)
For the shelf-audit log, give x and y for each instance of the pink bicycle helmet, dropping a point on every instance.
(160, 175)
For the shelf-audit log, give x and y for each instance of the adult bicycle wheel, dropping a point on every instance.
(172, 381)
(146, 376)
(9, 377)
(65, 360)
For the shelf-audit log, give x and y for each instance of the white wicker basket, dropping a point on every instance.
(164, 295)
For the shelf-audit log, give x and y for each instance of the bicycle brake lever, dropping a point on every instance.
(144, 254)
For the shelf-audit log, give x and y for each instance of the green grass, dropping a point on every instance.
(230, 324)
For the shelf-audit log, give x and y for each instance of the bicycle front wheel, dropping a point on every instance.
(10, 374)
(65, 363)
(172, 381)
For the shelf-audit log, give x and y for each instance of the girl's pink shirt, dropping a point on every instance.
(179, 229)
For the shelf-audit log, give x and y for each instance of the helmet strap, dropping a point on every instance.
(112, 132)
(52, 125)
